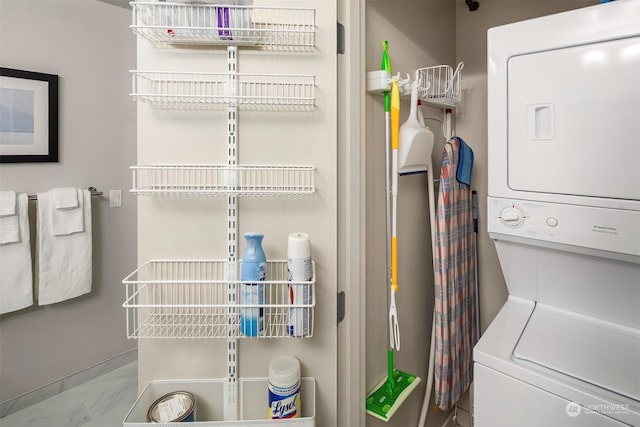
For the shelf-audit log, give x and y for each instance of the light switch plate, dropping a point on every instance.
(115, 198)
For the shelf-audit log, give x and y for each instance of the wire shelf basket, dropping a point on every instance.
(440, 85)
(190, 299)
(210, 24)
(217, 90)
(219, 180)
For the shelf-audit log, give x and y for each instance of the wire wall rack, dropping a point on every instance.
(188, 299)
(218, 90)
(440, 85)
(220, 180)
(209, 24)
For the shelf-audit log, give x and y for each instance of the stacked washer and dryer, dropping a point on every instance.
(564, 212)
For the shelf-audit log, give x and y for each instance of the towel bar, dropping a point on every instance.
(93, 191)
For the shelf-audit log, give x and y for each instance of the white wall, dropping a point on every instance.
(88, 44)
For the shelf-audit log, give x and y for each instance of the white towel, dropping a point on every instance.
(64, 262)
(7, 203)
(66, 220)
(9, 222)
(16, 280)
(65, 198)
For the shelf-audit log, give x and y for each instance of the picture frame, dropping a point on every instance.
(28, 116)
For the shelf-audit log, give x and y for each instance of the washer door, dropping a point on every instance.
(503, 401)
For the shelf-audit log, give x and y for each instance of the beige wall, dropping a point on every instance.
(196, 227)
(426, 33)
(88, 45)
(420, 34)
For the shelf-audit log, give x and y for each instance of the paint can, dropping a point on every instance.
(175, 407)
(284, 388)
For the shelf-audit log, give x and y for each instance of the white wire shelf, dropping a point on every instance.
(188, 299)
(210, 398)
(440, 85)
(209, 24)
(218, 90)
(219, 180)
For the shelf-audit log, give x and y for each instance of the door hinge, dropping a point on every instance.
(340, 39)
(341, 306)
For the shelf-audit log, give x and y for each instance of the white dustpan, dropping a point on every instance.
(416, 141)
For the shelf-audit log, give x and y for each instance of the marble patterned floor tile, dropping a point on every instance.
(32, 398)
(112, 394)
(100, 402)
(59, 411)
(28, 399)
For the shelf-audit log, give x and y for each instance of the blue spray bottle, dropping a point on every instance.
(254, 271)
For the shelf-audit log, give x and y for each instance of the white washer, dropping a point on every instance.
(541, 365)
(564, 211)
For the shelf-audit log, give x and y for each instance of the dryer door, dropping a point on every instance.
(573, 125)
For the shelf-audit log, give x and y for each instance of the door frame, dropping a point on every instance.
(351, 215)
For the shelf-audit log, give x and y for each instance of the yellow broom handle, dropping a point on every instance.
(395, 134)
(394, 264)
(395, 114)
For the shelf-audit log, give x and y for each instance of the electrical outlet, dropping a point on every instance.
(115, 198)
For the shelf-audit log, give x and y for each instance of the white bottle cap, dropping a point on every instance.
(284, 371)
(299, 246)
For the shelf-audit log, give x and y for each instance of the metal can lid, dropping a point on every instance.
(172, 407)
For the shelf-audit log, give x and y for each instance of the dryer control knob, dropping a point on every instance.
(512, 217)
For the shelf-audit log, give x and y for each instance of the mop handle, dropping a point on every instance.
(386, 66)
(474, 216)
(395, 115)
(394, 264)
(395, 126)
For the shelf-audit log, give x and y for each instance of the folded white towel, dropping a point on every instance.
(64, 262)
(66, 221)
(9, 222)
(16, 280)
(65, 198)
(7, 203)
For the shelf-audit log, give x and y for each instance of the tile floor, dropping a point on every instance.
(101, 402)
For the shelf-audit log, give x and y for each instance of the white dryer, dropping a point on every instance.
(564, 212)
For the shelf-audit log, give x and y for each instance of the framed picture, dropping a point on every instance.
(28, 116)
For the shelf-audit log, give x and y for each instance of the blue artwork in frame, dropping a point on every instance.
(28, 116)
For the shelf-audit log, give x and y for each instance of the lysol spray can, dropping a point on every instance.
(299, 270)
(284, 388)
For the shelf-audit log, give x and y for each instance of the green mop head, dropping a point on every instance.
(390, 393)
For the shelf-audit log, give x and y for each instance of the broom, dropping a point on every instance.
(391, 392)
